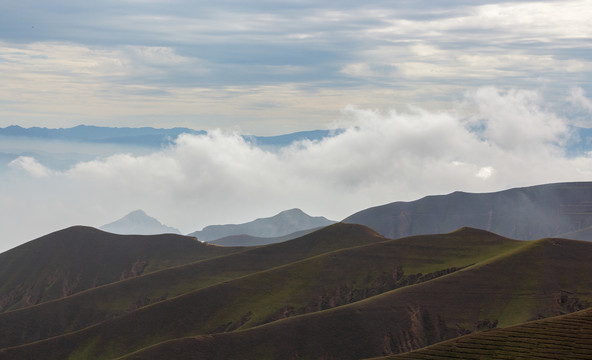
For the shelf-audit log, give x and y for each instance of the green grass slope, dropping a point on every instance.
(561, 337)
(310, 285)
(79, 258)
(542, 278)
(114, 300)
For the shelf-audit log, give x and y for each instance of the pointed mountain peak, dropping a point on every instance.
(137, 214)
(138, 222)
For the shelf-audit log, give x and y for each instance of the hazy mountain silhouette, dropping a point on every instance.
(146, 136)
(248, 240)
(138, 222)
(284, 223)
(526, 213)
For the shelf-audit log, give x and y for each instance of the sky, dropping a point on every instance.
(434, 96)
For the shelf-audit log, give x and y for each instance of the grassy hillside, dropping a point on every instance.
(311, 285)
(554, 278)
(79, 258)
(561, 337)
(523, 213)
(102, 303)
(331, 300)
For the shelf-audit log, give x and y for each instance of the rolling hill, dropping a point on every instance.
(477, 298)
(347, 293)
(79, 258)
(527, 213)
(105, 302)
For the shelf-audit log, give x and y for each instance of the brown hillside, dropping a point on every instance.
(79, 258)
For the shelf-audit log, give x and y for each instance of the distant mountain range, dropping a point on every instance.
(138, 222)
(284, 226)
(249, 240)
(145, 136)
(284, 223)
(527, 213)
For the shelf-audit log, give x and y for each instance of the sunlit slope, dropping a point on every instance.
(527, 213)
(562, 337)
(311, 285)
(99, 304)
(79, 258)
(542, 278)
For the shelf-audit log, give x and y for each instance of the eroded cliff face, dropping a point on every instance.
(136, 269)
(425, 329)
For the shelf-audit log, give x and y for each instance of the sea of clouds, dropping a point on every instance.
(492, 140)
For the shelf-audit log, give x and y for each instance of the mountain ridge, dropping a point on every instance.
(281, 224)
(526, 213)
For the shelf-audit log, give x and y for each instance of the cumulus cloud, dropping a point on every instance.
(30, 165)
(578, 98)
(497, 139)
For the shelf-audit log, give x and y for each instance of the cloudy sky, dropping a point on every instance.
(435, 96)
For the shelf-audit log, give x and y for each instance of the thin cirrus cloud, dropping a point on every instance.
(377, 158)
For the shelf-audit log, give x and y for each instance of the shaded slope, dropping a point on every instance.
(99, 304)
(306, 286)
(523, 213)
(284, 223)
(486, 295)
(78, 258)
(248, 240)
(561, 337)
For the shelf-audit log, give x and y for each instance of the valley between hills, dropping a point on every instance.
(460, 276)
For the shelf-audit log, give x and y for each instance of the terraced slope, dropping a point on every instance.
(561, 337)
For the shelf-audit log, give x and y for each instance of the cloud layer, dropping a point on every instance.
(492, 140)
(275, 68)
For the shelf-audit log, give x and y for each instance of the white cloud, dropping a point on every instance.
(578, 98)
(485, 172)
(30, 165)
(508, 138)
(516, 120)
